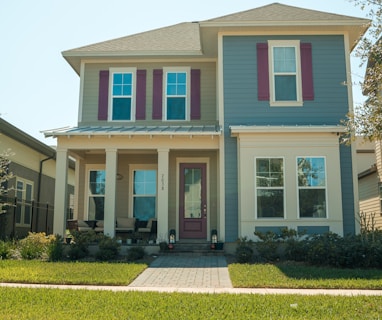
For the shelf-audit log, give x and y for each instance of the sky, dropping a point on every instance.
(39, 90)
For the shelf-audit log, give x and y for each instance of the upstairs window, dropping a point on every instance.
(176, 94)
(285, 73)
(122, 104)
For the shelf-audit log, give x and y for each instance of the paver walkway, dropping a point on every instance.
(185, 272)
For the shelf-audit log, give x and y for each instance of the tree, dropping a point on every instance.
(5, 175)
(366, 120)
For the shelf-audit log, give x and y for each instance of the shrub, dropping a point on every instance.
(135, 253)
(244, 250)
(5, 249)
(55, 249)
(108, 249)
(79, 246)
(35, 245)
(268, 245)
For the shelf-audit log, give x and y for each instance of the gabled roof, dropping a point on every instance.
(185, 39)
(276, 13)
(15, 133)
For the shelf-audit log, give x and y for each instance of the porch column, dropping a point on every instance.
(162, 216)
(110, 189)
(60, 192)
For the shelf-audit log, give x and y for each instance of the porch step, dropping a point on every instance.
(196, 248)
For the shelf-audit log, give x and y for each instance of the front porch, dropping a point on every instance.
(143, 177)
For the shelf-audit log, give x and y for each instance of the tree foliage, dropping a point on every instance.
(366, 120)
(5, 175)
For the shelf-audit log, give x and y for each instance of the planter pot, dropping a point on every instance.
(219, 246)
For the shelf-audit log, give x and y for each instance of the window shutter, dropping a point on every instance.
(195, 94)
(307, 71)
(141, 95)
(262, 72)
(157, 94)
(103, 94)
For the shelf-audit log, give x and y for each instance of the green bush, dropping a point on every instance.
(55, 249)
(244, 250)
(5, 249)
(35, 246)
(79, 247)
(108, 249)
(135, 253)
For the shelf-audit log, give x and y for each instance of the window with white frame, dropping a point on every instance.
(285, 73)
(96, 193)
(122, 98)
(176, 93)
(311, 174)
(144, 192)
(269, 187)
(24, 194)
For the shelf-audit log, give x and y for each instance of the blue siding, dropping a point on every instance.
(241, 107)
(313, 229)
(347, 190)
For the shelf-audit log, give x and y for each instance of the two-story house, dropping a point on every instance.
(230, 124)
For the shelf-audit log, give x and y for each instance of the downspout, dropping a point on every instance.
(39, 188)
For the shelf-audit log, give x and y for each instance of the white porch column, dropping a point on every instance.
(162, 216)
(110, 189)
(60, 192)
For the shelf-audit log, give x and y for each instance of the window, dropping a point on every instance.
(176, 94)
(96, 194)
(311, 187)
(269, 187)
(285, 73)
(144, 193)
(122, 94)
(24, 194)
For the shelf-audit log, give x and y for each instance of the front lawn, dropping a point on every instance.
(94, 273)
(292, 275)
(48, 304)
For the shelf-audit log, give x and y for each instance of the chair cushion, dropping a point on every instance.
(100, 224)
(126, 222)
(82, 223)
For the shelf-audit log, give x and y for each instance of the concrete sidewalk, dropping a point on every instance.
(194, 274)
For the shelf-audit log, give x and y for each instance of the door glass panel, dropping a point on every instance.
(192, 193)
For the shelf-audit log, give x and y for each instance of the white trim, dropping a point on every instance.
(272, 90)
(81, 97)
(186, 70)
(235, 130)
(193, 160)
(133, 72)
(132, 168)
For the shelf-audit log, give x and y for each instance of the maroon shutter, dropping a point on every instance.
(103, 94)
(195, 94)
(262, 72)
(157, 94)
(307, 71)
(141, 95)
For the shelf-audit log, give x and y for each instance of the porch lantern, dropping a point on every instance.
(214, 236)
(172, 236)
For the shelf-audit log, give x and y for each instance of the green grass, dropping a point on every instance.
(23, 304)
(95, 273)
(299, 276)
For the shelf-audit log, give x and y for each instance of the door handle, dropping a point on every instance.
(205, 211)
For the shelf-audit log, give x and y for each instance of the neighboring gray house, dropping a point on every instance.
(31, 190)
(229, 124)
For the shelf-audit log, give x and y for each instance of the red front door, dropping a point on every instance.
(192, 201)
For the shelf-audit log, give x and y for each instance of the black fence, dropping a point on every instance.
(19, 217)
